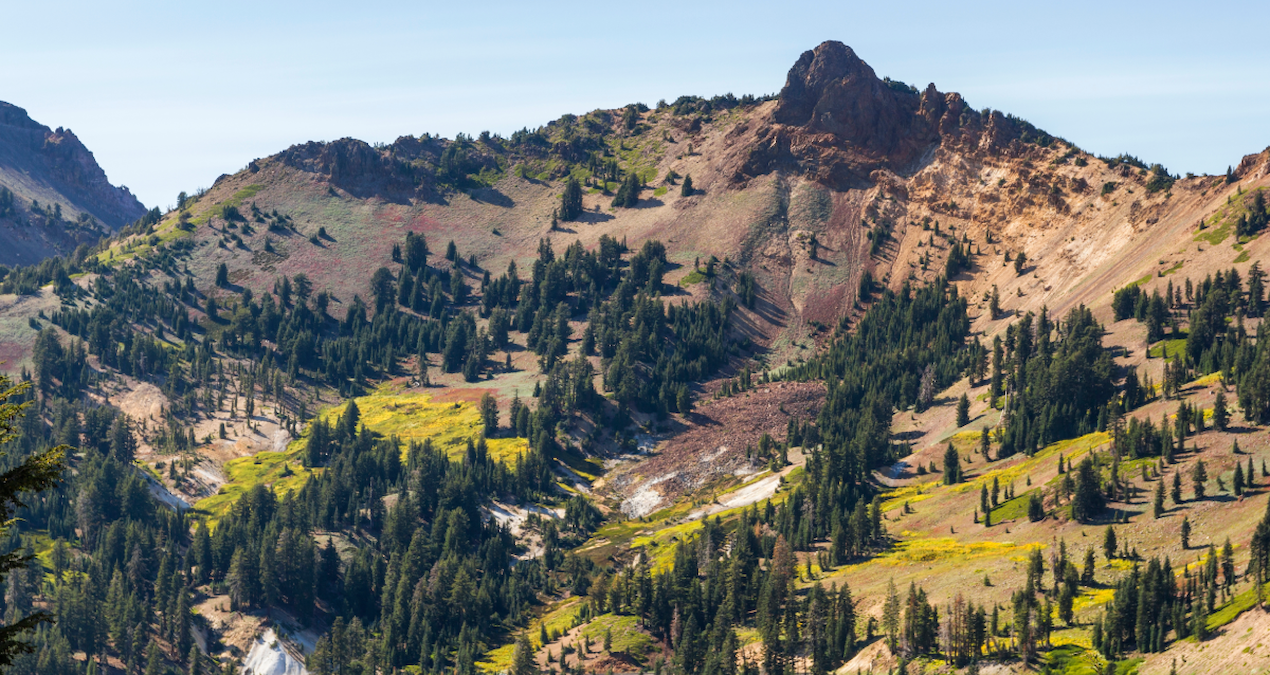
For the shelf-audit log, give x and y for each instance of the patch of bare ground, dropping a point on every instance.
(1241, 646)
(516, 518)
(713, 442)
(199, 473)
(235, 630)
(593, 658)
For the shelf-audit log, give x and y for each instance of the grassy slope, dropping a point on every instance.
(410, 416)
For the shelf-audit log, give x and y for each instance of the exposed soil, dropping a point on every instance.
(713, 444)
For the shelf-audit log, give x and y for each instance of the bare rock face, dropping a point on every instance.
(837, 122)
(35, 159)
(53, 194)
(347, 163)
(831, 91)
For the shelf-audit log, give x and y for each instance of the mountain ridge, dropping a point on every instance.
(60, 196)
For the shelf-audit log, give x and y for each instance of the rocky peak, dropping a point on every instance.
(831, 90)
(821, 82)
(37, 162)
(838, 122)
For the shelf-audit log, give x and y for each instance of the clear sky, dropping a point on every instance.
(169, 95)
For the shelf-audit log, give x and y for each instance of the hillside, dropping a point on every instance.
(541, 400)
(53, 195)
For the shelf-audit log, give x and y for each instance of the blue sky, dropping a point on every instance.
(169, 95)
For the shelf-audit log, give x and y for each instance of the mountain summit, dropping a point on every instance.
(53, 194)
(836, 122)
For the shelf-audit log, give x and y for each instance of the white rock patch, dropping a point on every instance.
(268, 657)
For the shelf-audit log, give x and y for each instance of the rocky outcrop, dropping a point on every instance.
(54, 167)
(53, 195)
(1254, 166)
(837, 122)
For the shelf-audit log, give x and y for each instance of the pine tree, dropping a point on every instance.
(686, 189)
(1177, 488)
(195, 661)
(891, 614)
(489, 414)
(1238, 480)
(1109, 546)
(1199, 476)
(952, 466)
(998, 377)
(985, 444)
(1199, 621)
(963, 411)
(628, 193)
(1158, 505)
(154, 660)
(571, 200)
(1220, 415)
(1087, 500)
(1035, 507)
(222, 276)
(1186, 532)
(38, 472)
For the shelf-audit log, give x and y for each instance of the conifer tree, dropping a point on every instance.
(686, 189)
(952, 466)
(1158, 505)
(1087, 500)
(963, 411)
(628, 193)
(489, 414)
(1199, 476)
(1186, 532)
(154, 660)
(1109, 545)
(891, 614)
(571, 200)
(38, 472)
(1177, 488)
(523, 662)
(1199, 621)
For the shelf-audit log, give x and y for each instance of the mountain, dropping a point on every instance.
(853, 377)
(53, 195)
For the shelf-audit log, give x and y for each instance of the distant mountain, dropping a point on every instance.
(53, 195)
